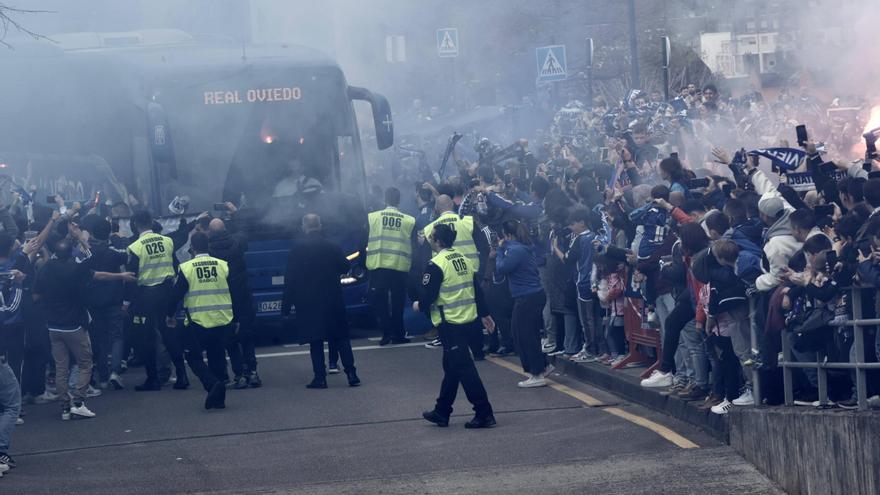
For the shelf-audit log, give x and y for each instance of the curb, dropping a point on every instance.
(622, 384)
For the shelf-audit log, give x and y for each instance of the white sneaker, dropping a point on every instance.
(584, 357)
(116, 382)
(532, 382)
(658, 379)
(19, 421)
(93, 392)
(82, 411)
(746, 399)
(434, 344)
(549, 369)
(3, 469)
(722, 408)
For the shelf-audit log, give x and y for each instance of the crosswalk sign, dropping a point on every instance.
(552, 65)
(447, 42)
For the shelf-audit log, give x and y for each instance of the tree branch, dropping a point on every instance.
(8, 22)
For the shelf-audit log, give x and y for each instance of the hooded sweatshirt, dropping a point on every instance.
(779, 243)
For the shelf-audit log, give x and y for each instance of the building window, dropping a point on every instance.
(750, 25)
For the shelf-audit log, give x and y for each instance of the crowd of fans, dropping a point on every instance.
(664, 210)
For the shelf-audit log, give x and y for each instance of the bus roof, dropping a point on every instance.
(160, 50)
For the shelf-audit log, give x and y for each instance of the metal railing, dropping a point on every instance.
(788, 364)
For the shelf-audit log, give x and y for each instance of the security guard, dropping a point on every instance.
(451, 296)
(389, 257)
(202, 283)
(463, 227)
(466, 244)
(151, 257)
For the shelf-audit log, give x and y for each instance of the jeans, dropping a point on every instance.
(526, 324)
(594, 343)
(694, 343)
(573, 340)
(681, 314)
(107, 340)
(242, 349)
(459, 368)
(77, 344)
(342, 346)
(616, 340)
(741, 338)
(10, 405)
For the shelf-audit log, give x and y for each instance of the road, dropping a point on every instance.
(284, 438)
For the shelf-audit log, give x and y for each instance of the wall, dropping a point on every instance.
(809, 451)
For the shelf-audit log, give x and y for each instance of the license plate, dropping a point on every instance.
(269, 306)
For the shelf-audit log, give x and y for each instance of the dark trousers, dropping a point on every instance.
(500, 307)
(459, 368)
(213, 342)
(36, 353)
(681, 314)
(242, 350)
(731, 372)
(387, 298)
(342, 346)
(148, 324)
(12, 336)
(106, 334)
(526, 323)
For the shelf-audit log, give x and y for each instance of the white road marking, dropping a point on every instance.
(362, 348)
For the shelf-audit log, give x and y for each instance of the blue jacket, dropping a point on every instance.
(748, 264)
(580, 253)
(516, 261)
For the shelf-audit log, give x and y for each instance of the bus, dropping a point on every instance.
(149, 116)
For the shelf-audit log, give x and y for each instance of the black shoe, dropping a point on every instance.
(5, 459)
(385, 341)
(240, 382)
(182, 382)
(478, 422)
(148, 387)
(848, 404)
(402, 340)
(318, 383)
(694, 394)
(501, 352)
(353, 380)
(216, 398)
(436, 418)
(254, 380)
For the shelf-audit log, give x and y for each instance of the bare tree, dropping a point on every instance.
(8, 22)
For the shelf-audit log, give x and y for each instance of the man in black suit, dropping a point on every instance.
(312, 285)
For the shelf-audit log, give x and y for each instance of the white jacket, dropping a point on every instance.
(780, 244)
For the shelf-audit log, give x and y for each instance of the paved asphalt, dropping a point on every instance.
(284, 438)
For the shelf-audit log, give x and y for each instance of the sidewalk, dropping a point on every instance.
(625, 383)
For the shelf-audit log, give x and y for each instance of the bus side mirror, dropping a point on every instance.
(382, 121)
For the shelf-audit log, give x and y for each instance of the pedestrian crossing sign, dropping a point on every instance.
(447, 42)
(552, 65)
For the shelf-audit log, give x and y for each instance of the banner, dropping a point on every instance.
(783, 158)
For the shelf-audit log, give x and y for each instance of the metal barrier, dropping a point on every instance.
(822, 366)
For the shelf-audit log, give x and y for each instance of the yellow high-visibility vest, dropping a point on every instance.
(390, 245)
(464, 235)
(155, 254)
(457, 301)
(208, 301)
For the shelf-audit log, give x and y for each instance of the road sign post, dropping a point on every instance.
(552, 64)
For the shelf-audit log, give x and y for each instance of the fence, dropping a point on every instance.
(821, 366)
